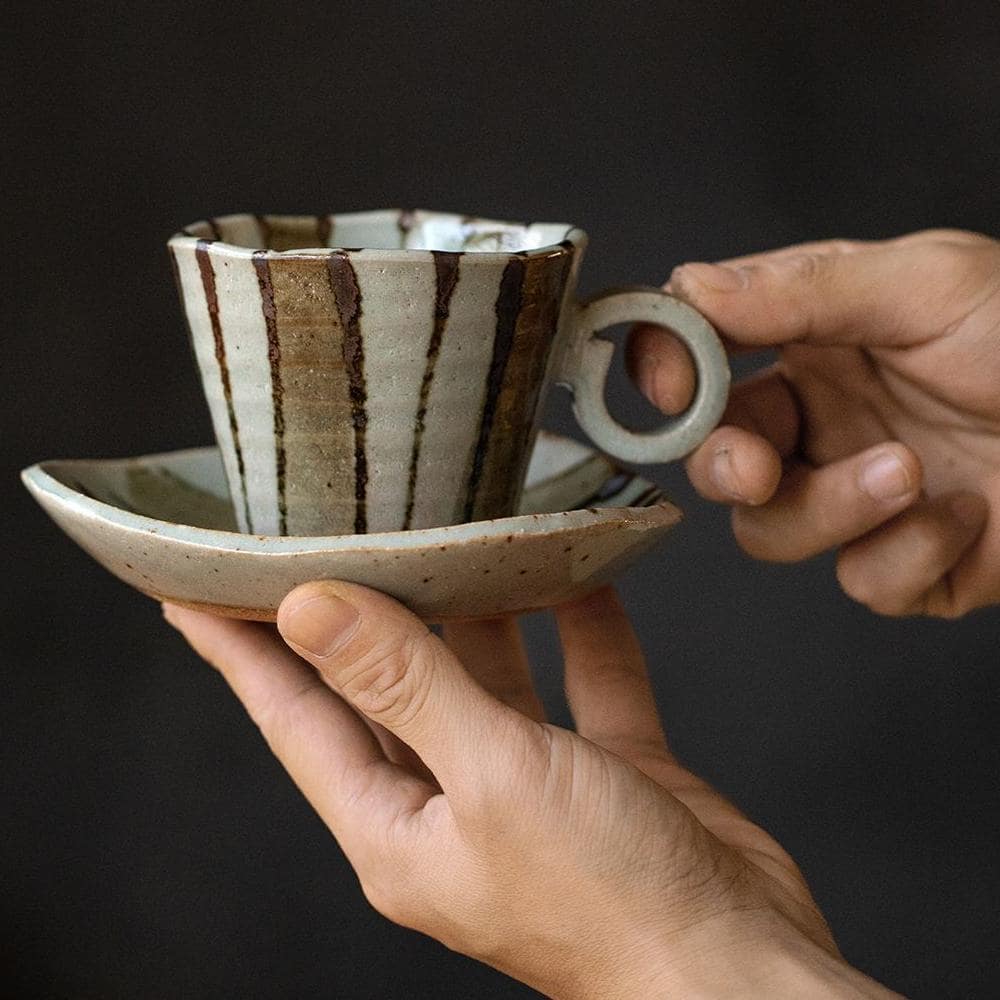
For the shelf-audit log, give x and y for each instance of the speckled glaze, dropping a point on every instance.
(164, 525)
(398, 386)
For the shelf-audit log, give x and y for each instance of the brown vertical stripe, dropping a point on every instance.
(446, 277)
(265, 231)
(404, 222)
(288, 232)
(508, 305)
(344, 284)
(542, 291)
(263, 269)
(324, 229)
(319, 438)
(212, 299)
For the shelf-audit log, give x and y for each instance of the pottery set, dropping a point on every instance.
(374, 381)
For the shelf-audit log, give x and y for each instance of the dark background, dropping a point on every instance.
(151, 846)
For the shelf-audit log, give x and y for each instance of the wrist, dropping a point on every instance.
(746, 961)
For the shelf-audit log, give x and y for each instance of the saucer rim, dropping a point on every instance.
(40, 481)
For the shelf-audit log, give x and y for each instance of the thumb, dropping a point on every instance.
(892, 294)
(382, 660)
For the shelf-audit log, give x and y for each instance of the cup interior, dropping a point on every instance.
(388, 229)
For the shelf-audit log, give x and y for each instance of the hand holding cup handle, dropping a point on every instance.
(586, 362)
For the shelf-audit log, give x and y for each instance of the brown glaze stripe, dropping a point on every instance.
(212, 300)
(546, 302)
(446, 277)
(405, 222)
(265, 231)
(263, 269)
(615, 485)
(508, 305)
(324, 229)
(344, 284)
(648, 497)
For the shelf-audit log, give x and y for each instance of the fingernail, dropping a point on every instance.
(885, 478)
(724, 475)
(320, 624)
(968, 508)
(647, 374)
(714, 277)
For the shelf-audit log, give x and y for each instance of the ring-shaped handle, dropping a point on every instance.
(587, 361)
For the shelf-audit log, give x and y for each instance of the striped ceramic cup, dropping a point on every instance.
(398, 385)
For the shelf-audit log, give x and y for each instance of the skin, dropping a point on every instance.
(587, 864)
(592, 863)
(876, 432)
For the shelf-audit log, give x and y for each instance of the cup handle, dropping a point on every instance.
(587, 360)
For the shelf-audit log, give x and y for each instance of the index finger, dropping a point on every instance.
(887, 294)
(607, 685)
(492, 651)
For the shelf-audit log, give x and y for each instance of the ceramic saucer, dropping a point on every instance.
(164, 525)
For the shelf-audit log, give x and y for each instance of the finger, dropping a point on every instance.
(816, 509)
(834, 246)
(385, 662)
(762, 403)
(886, 294)
(903, 567)
(661, 368)
(607, 685)
(327, 750)
(492, 651)
(740, 462)
(734, 466)
(765, 404)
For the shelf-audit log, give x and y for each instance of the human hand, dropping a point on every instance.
(877, 431)
(587, 864)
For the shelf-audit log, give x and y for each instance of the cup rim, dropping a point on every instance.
(207, 232)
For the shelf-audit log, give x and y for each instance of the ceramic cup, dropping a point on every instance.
(398, 386)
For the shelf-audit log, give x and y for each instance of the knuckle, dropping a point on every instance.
(382, 681)
(611, 673)
(859, 585)
(930, 548)
(806, 266)
(952, 262)
(965, 267)
(843, 246)
(391, 900)
(857, 582)
(853, 583)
